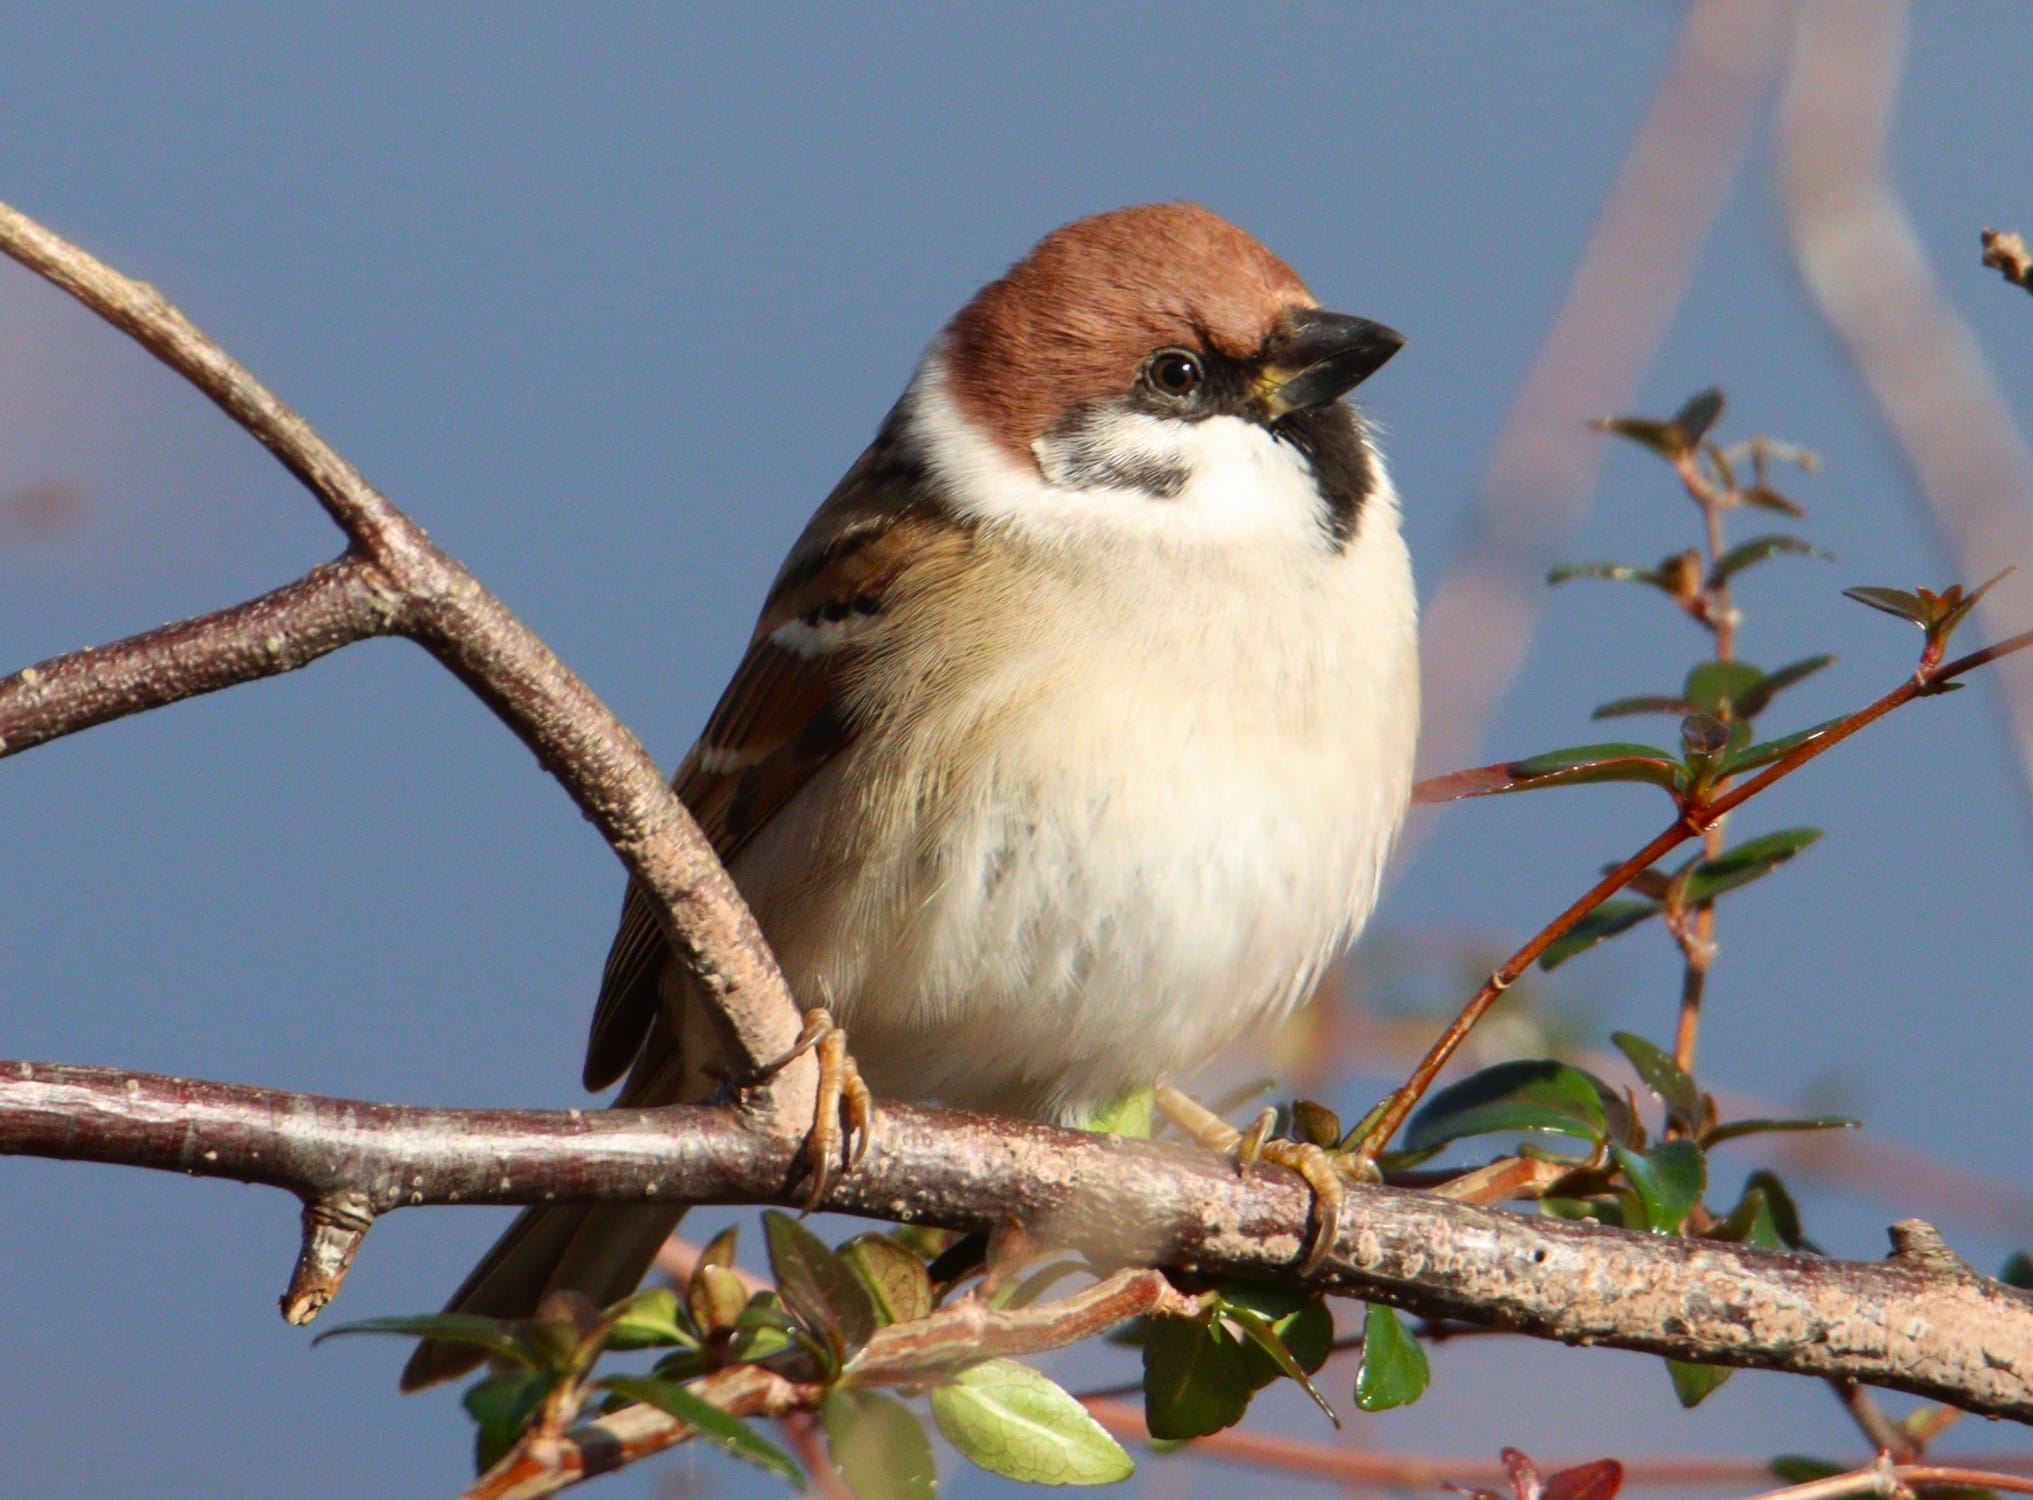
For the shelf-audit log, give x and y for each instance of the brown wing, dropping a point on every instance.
(785, 714)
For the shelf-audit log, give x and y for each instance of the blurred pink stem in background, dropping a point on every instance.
(1867, 274)
(1618, 308)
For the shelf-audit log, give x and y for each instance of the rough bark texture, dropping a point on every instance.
(1921, 1321)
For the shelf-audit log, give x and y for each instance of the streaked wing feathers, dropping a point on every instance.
(785, 714)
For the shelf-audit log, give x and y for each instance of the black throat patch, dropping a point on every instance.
(1331, 438)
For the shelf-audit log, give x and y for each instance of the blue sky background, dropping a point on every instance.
(607, 298)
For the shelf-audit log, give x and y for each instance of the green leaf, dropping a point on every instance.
(816, 1284)
(879, 1446)
(728, 1433)
(1719, 685)
(1393, 1371)
(2018, 1271)
(1667, 439)
(1608, 1212)
(1654, 703)
(1196, 1379)
(1669, 1180)
(1693, 1383)
(1785, 1212)
(1662, 1076)
(1605, 922)
(1134, 1115)
(1754, 701)
(1012, 1421)
(1764, 497)
(1608, 571)
(1906, 606)
(495, 1335)
(894, 1275)
(1267, 1346)
(1614, 761)
(1794, 1468)
(499, 1405)
(1526, 1095)
(1748, 861)
(1301, 1319)
(1737, 1128)
(1756, 550)
(1753, 756)
(649, 1320)
(1570, 767)
(1749, 1223)
(1698, 417)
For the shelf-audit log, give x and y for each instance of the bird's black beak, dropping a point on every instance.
(1316, 357)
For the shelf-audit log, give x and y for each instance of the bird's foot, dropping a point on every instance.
(843, 1115)
(1325, 1172)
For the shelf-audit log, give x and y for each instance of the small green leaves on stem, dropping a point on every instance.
(728, 1433)
(1012, 1421)
(1574, 766)
(1196, 1377)
(1758, 549)
(1664, 1077)
(1936, 614)
(1752, 860)
(1667, 1180)
(879, 1446)
(1694, 1384)
(500, 1405)
(1528, 1095)
(893, 1274)
(1675, 438)
(1605, 922)
(1394, 1371)
(818, 1287)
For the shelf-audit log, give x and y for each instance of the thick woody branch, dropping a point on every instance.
(395, 579)
(1920, 1322)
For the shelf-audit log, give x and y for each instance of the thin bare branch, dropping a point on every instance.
(334, 605)
(408, 584)
(1920, 1322)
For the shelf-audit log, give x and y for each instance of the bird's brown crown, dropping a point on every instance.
(1074, 320)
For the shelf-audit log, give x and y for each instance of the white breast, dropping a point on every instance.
(1141, 790)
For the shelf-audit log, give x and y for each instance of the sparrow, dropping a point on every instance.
(1076, 727)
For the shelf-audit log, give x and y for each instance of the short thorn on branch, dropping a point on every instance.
(333, 1229)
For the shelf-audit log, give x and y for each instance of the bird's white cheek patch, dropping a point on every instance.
(1221, 479)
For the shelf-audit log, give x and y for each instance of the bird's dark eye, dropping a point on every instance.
(1173, 372)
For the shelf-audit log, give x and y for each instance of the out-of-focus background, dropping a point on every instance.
(608, 297)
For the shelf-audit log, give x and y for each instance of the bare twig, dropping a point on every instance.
(396, 580)
(1920, 1322)
(1888, 1479)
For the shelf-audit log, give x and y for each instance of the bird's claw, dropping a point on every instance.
(842, 1095)
(1325, 1173)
